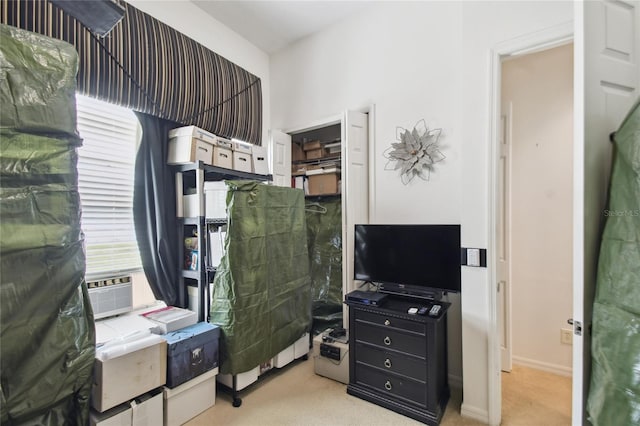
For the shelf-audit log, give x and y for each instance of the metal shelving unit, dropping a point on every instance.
(194, 175)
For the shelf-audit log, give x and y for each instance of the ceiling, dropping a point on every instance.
(272, 25)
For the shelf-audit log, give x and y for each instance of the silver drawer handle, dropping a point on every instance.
(387, 363)
(387, 385)
(387, 341)
(387, 322)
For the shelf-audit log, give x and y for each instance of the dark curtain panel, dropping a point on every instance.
(154, 209)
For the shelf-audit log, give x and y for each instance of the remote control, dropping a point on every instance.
(435, 309)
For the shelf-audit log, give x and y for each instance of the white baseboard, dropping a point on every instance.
(455, 381)
(474, 413)
(544, 366)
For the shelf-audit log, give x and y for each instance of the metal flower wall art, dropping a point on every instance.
(415, 153)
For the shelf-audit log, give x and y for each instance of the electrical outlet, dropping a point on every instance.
(566, 336)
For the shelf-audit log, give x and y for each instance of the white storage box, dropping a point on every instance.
(284, 357)
(147, 410)
(191, 205)
(260, 163)
(117, 416)
(190, 144)
(242, 379)
(189, 399)
(171, 319)
(242, 162)
(215, 199)
(118, 379)
(301, 346)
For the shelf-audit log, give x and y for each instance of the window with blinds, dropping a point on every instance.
(105, 179)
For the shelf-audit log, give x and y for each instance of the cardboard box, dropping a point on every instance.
(323, 184)
(244, 147)
(297, 154)
(121, 378)
(191, 351)
(170, 319)
(242, 162)
(188, 132)
(189, 399)
(190, 144)
(311, 145)
(260, 160)
(314, 154)
(222, 157)
(189, 150)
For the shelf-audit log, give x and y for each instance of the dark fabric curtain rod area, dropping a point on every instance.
(149, 67)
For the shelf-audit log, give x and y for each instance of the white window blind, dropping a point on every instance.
(105, 179)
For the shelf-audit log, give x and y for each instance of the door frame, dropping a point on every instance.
(529, 43)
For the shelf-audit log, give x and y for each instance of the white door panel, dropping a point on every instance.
(281, 158)
(611, 78)
(355, 190)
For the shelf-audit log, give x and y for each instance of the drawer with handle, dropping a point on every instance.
(391, 339)
(393, 362)
(391, 385)
(390, 321)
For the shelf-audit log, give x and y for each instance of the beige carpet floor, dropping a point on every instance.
(296, 396)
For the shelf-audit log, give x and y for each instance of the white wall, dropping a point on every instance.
(537, 96)
(419, 60)
(190, 20)
(404, 57)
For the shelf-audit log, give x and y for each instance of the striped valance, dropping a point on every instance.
(148, 66)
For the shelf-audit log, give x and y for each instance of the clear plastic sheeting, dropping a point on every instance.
(46, 324)
(262, 291)
(614, 394)
(324, 238)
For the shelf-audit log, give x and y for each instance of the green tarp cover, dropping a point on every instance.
(262, 292)
(614, 394)
(47, 335)
(324, 238)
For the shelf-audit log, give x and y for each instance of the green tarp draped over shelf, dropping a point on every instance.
(324, 238)
(47, 338)
(614, 394)
(262, 294)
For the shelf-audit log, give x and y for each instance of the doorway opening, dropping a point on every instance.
(534, 232)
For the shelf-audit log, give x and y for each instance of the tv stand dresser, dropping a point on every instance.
(398, 360)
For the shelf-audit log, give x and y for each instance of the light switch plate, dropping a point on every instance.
(473, 257)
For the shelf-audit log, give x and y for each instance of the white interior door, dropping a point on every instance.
(355, 190)
(503, 238)
(611, 76)
(281, 158)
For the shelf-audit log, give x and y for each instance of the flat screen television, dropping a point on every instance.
(416, 260)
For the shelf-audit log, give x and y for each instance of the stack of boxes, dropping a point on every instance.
(154, 367)
(191, 144)
(316, 167)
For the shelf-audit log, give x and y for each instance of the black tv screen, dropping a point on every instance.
(408, 259)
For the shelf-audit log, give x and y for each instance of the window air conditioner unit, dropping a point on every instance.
(111, 296)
